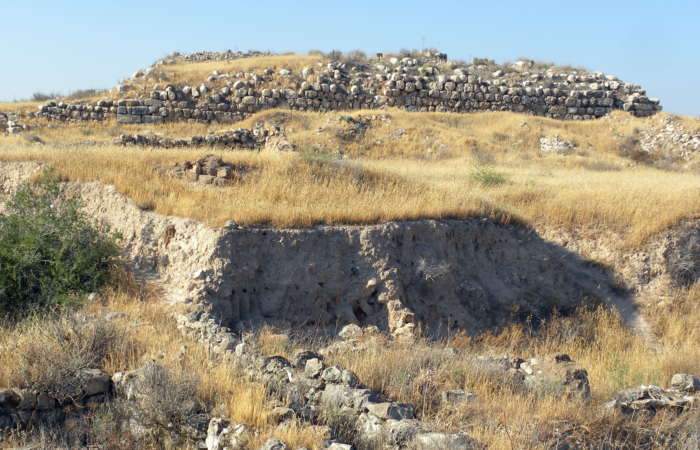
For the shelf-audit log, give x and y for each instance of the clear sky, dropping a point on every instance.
(62, 46)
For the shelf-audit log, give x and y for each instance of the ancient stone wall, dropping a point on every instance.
(227, 98)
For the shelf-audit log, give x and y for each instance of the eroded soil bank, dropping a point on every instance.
(471, 275)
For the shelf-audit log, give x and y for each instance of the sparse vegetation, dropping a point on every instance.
(487, 175)
(333, 55)
(568, 192)
(42, 97)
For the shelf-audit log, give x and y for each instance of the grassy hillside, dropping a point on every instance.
(404, 166)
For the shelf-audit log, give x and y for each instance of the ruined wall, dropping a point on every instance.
(228, 98)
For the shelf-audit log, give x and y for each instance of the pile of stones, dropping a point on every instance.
(670, 138)
(312, 387)
(241, 138)
(681, 396)
(9, 123)
(554, 145)
(209, 169)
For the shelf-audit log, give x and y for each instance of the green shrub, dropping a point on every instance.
(487, 174)
(48, 249)
(313, 155)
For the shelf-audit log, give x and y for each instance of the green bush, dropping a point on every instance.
(48, 249)
(487, 174)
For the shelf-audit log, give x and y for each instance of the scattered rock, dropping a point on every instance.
(685, 383)
(554, 145)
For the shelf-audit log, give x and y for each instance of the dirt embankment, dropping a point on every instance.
(473, 275)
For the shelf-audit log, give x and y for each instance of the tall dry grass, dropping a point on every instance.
(147, 332)
(407, 167)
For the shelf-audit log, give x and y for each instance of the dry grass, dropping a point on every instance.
(195, 73)
(426, 173)
(504, 416)
(148, 334)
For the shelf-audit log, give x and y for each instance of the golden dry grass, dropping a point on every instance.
(425, 173)
(151, 335)
(503, 416)
(196, 73)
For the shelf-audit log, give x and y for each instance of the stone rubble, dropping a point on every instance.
(209, 169)
(669, 138)
(554, 145)
(311, 387)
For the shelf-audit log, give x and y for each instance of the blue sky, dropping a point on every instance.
(62, 46)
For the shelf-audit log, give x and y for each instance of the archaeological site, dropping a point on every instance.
(349, 251)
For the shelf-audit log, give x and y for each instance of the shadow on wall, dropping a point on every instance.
(472, 275)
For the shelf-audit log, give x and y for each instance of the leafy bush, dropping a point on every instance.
(487, 174)
(48, 249)
(356, 55)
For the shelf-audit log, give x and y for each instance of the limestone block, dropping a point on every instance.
(153, 119)
(128, 118)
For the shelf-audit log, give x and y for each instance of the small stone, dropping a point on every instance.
(44, 402)
(280, 414)
(349, 378)
(199, 274)
(300, 357)
(333, 374)
(94, 381)
(686, 383)
(339, 446)
(350, 331)
(393, 411)
(314, 367)
(274, 444)
(456, 397)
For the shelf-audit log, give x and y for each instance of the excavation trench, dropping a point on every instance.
(472, 275)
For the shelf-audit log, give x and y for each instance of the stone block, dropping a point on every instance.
(394, 411)
(140, 110)
(128, 102)
(128, 118)
(153, 102)
(152, 119)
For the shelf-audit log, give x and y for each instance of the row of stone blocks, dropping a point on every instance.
(140, 111)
